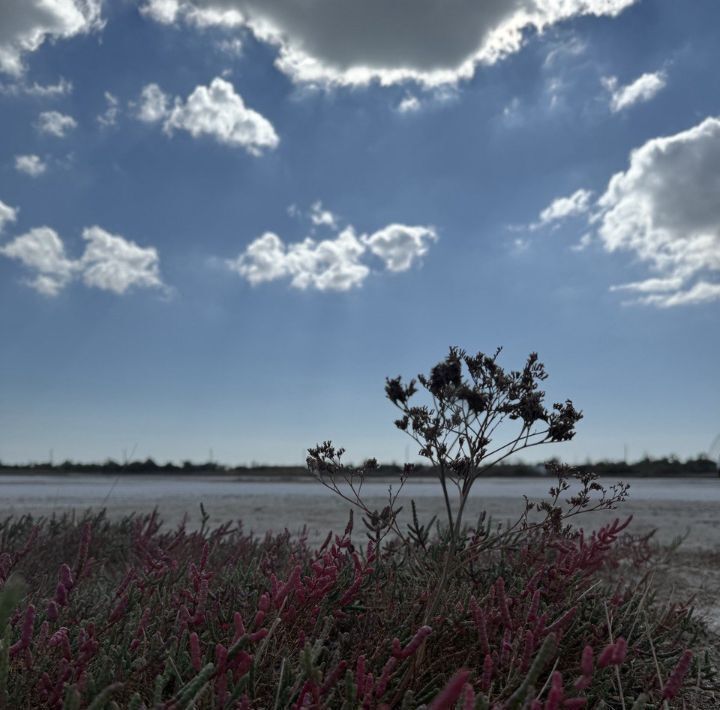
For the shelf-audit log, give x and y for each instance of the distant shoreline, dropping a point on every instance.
(281, 474)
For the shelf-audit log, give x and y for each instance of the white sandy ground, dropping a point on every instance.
(688, 508)
(675, 506)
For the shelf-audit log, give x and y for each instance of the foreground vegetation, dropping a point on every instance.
(126, 614)
(536, 614)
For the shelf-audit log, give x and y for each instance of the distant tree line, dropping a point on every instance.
(646, 467)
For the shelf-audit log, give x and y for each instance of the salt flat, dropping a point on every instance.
(675, 506)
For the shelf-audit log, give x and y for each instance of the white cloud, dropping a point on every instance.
(32, 165)
(409, 104)
(7, 214)
(199, 14)
(112, 108)
(109, 262)
(153, 104)
(563, 208)
(319, 216)
(42, 251)
(701, 292)
(346, 42)
(215, 110)
(63, 87)
(642, 89)
(430, 98)
(55, 123)
(165, 11)
(113, 263)
(26, 24)
(661, 285)
(399, 245)
(331, 264)
(263, 260)
(327, 265)
(665, 210)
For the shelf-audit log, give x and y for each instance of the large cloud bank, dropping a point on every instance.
(26, 24)
(351, 42)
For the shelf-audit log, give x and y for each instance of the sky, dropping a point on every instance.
(223, 223)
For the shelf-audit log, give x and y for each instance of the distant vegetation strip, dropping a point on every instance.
(645, 468)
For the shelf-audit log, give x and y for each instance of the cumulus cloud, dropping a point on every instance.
(113, 263)
(346, 42)
(327, 265)
(56, 124)
(109, 262)
(263, 260)
(665, 209)
(642, 89)
(399, 246)
(335, 264)
(215, 110)
(26, 24)
(32, 165)
(42, 251)
(7, 214)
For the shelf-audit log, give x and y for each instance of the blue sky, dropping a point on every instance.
(224, 222)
